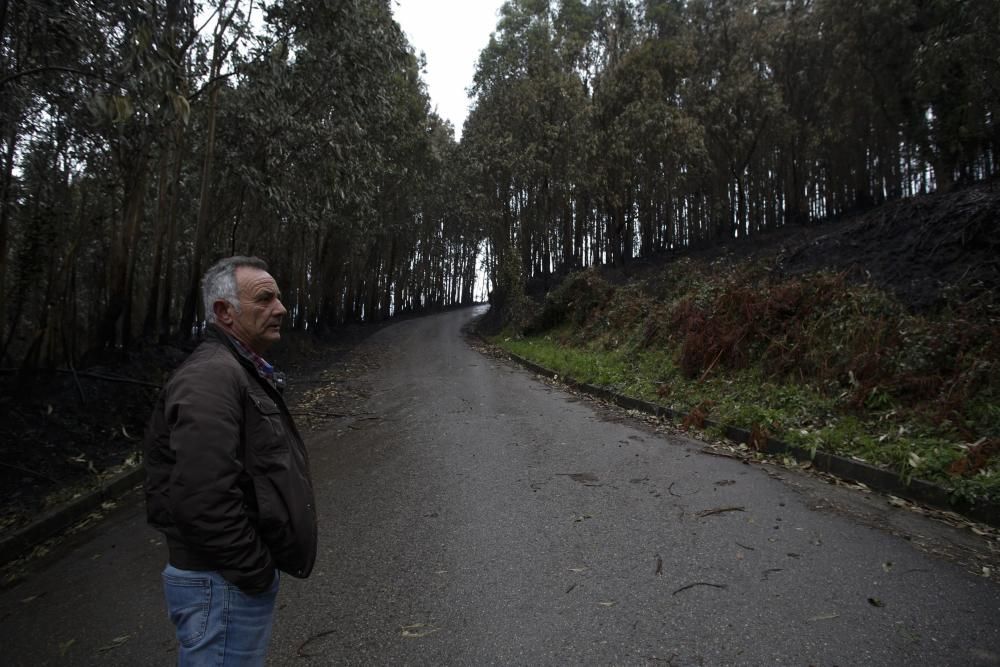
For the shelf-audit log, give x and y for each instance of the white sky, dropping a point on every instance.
(451, 33)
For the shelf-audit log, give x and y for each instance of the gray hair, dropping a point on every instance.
(219, 282)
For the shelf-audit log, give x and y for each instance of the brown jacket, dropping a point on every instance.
(227, 474)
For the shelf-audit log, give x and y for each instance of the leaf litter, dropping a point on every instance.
(419, 630)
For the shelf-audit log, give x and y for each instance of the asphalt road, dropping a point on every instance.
(479, 516)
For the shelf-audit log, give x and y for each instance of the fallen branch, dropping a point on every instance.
(698, 583)
(303, 645)
(720, 510)
(79, 387)
(724, 455)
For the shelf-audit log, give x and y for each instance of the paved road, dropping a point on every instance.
(484, 517)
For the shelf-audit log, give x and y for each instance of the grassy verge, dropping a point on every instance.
(812, 362)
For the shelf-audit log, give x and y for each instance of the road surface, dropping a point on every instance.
(479, 516)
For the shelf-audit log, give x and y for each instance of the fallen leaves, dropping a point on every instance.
(114, 643)
(825, 617)
(419, 630)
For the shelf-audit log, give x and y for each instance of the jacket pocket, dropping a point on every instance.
(277, 528)
(272, 512)
(267, 422)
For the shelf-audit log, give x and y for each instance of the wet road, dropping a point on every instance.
(483, 517)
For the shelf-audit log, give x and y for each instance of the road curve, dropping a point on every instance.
(478, 516)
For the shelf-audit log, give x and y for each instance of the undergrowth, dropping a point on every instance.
(811, 360)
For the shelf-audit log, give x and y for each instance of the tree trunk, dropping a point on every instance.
(169, 274)
(5, 193)
(118, 313)
(159, 229)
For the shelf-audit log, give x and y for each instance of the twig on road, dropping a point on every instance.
(302, 646)
(720, 510)
(698, 583)
(712, 452)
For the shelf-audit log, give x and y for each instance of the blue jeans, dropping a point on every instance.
(217, 624)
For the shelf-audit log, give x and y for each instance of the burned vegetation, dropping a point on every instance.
(874, 337)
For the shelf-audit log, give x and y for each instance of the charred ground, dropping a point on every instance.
(930, 251)
(63, 432)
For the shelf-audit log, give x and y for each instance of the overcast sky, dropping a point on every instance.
(451, 33)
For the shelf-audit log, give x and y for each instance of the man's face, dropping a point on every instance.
(258, 322)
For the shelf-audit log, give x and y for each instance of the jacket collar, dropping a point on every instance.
(247, 356)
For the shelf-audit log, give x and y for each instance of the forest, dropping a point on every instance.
(142, 139)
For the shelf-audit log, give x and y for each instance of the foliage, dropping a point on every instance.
(607, 129)
(143, 139)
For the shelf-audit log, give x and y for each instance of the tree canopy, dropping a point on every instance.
(612, 128)
(142, 139)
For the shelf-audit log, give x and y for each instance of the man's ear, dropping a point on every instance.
(221, 310)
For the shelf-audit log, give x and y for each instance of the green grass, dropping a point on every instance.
(795, 414)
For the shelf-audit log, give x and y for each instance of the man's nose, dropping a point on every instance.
(281, 310)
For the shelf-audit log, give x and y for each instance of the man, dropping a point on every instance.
(227, 476)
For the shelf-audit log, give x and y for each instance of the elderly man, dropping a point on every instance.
(227, 476)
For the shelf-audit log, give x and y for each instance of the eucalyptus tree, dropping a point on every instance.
(737, 102)
(616, 34)
(99, 73)
(956, 88)
(653, 155)
(526, 135)
(802, 62)
(230, 21)
(409, 167)
(40, 54)
(305, 131)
